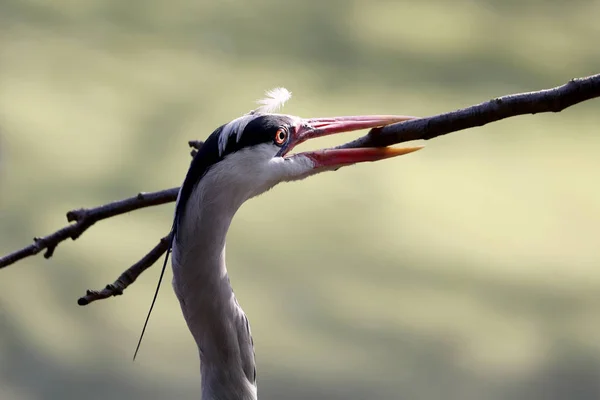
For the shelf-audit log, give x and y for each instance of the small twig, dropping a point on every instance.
(549, 100)
(195, 145)
(127, 277)
(86, 217)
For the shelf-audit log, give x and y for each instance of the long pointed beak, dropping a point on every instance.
(319, 127)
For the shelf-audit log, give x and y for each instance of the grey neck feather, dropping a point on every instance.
(211, 311)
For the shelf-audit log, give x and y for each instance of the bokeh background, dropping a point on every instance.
(468, 270)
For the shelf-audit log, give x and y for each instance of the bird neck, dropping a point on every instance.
(214, 317)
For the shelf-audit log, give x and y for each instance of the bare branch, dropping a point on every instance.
(127, 277)
(86, 217)
(550, 100)
(195, 145)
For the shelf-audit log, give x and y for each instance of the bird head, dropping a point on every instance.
(252, 153)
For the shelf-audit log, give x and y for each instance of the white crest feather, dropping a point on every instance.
(274, 100)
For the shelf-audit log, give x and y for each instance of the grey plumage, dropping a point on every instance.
(238, 161)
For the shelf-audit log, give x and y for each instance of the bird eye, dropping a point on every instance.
(281, 136)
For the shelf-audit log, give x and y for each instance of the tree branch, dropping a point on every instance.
(550, 100)
(86, 217)
(127, 277)
(195, 145)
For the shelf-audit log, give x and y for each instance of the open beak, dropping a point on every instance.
(319, 127)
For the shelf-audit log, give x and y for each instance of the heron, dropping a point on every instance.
(238, 161)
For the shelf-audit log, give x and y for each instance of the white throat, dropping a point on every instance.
(213, 315)
(211, 311)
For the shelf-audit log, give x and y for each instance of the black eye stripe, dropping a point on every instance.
(261, 129)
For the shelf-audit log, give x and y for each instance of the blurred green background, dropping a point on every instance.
(468, 270)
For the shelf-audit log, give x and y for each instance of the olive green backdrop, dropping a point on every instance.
(468, 270)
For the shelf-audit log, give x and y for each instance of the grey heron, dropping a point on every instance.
(238, 161)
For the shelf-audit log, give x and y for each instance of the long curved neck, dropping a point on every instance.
(214, 317)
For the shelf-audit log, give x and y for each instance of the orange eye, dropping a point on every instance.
(281, 136)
